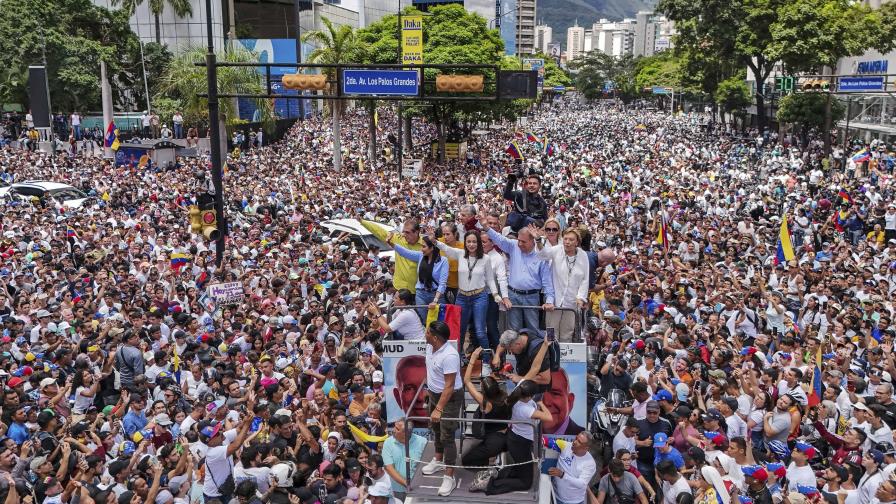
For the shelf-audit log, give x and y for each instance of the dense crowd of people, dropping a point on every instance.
(736, 289)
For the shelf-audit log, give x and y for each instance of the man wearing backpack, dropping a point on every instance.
(524, 346)
(129, 359)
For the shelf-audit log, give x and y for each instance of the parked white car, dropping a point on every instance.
(70, 196)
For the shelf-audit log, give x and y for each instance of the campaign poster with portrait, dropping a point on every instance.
(404, 370)
(567, 397)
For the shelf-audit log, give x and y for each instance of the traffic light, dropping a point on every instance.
(307, 82)
(816, 85)
(209, 224)
(460, 83)
(195, 221)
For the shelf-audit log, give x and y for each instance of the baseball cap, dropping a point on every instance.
(876, 455)
(653, 406)
(807, 490)
(163, 419)
(712, 414)
(14, 382)
(810, 451)
(663, 395)
(776, 468)
(377, 376)
(716, 437)
(36, 462)
(211, 431)
(756, 472)
(46, 382)
(660, 439)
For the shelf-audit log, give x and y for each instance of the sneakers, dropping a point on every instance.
(480, 482)
(448, 485)
(433, 467)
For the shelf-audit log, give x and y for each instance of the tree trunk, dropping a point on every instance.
(371, 127)
(760, 107)
(158, 28)
(337, 137)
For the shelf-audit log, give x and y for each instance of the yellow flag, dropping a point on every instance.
(432, 315)
(363, 437)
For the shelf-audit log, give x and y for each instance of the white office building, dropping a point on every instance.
(544, 36)
(653, 33)
(615, 38)
(575, 42)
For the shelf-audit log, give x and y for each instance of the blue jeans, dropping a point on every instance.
(77, 130)
(178, 130)
(475, 309)
(423, 297)
(518, 318)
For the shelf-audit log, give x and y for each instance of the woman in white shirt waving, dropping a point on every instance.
(569, 265)
(475, 280)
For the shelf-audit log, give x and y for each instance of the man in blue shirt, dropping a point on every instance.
(17, 430)
(662, 450)
(394, 456)
(135, 420)
(528, 277)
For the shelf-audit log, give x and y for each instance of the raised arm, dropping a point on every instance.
(501, 241)
(449, 251)
(410, 255)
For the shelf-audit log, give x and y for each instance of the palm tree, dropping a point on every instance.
(184, 80)
(334, 46)
(157, 7)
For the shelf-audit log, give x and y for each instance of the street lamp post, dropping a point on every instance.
(215, 137)
(298, 15)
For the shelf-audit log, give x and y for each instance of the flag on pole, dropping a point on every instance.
(112, 136)
(785, 246)
(839, 220)
(531, 137)
(861, 156)
(662, 237)
(844, 196)
(449, 314)
(514, 150)
(816, 393)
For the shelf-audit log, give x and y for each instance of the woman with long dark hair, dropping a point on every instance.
(432, 273)
(493, 405)
(475, 281)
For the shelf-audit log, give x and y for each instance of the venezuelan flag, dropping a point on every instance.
(662, 237)
(365, 438)
(178, 260)
(839, 220)
(70, 233)
(549, 149)
(816, 393)
(514, 150)
(861, 156)
(531, 137)
(785, 247)
(844, 196)
(112, 136)
(449, 314)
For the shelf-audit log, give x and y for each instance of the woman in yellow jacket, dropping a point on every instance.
(450, 237)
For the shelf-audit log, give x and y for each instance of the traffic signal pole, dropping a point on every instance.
(399, 149)
(214, 128)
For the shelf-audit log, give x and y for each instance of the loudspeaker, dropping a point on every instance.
(516, 84)
(39, 96)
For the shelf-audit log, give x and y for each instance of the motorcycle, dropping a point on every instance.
(603, 424)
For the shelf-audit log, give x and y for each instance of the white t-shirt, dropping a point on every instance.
(407, 323)
(260, 474)
(443, 361)
(736, 426)
(620, 440)
(671, 492)
(577, 474)
(218, 465)
(524, 411)
(800, 476)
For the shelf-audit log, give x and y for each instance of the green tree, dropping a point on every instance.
(756, 34)
(378, 44)
(72, 36)
(807, 111)
(553, 74)
(183, 81)
(181, 8)
(334, 46)
(596, 68)
(733, 95)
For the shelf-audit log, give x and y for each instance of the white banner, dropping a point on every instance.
(226, 293)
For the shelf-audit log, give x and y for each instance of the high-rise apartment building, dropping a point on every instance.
(653, 33)
(525, 26)
(544, 36)
(575, 42)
